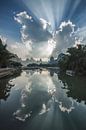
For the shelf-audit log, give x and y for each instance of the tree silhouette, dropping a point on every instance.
(5, 55)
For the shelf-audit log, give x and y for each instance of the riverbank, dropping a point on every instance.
(4, 72)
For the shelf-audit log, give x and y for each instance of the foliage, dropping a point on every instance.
(5, 55)
(75, 59)
(15, 64)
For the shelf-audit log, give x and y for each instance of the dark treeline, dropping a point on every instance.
(5, 55)
(42, 65)
(74, 60)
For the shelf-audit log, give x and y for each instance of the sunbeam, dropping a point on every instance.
(48, 10)
(49, 25)
(53, 12)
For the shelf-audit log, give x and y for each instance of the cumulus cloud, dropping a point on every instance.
(20, 17)
(38, 37)
(67, 24)
(35, 36)
(38, 40)
(32, 28)
(64, 37)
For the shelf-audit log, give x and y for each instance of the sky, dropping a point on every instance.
(42, 28)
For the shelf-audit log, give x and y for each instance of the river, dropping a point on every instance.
(43, 100)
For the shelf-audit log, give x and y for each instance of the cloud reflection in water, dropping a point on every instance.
(39, 94)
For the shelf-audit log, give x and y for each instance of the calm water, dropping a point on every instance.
(43, 100)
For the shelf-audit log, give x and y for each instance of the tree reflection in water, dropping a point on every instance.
(76, 87)
(5, 86)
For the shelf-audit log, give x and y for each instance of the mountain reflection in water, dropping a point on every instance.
(43, 100)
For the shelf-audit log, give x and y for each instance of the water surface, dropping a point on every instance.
(43, 100)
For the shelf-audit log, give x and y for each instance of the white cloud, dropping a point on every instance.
(19, 49)
(20, 17)
(67, 24)
(45, 24)
(40, 49)
(64, 37)
(33, 41)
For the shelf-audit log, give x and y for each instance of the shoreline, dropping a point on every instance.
(5, 72)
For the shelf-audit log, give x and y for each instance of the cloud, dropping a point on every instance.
(45, 24)
(68, 25)
(20, 49)
(38, 37)
(35, 35)
(23, 51)
(31, 28)
(52, 11)
(80, 35)
(38, 40)
(64, 37)
(20, 17)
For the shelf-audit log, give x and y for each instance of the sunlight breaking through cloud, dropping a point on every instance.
(48, 10)
(47, 28)
(64, 37)
(48, 47)
(44, 33)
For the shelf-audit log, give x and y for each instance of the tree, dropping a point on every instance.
(5, 55)
(63, 62)
(75, 60)
(51, 58)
